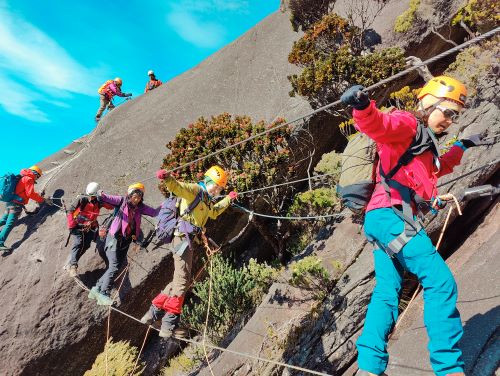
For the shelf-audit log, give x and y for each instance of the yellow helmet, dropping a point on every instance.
(36, 169)
(135, 187)
(444, 87)
(217, 175)
(118, 81)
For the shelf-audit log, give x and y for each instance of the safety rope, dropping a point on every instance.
(210, 253)
(211, 346)
(140, 351)
(337, 102)
(291, 218)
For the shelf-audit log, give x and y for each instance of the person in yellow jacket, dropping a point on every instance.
(196, 198)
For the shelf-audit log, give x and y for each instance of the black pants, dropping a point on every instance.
(116, 249)
(81, 241)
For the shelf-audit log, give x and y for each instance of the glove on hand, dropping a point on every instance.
(162, 174)
(233, 195)
(471, 141)
(355, 97)
(128, 95)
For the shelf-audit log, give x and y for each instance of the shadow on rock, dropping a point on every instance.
(37, 218)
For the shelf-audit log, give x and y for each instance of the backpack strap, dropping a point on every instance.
(199, 197)
(423, 141)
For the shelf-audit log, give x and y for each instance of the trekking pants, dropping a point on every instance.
(105, 102)
(81, 241)
(171, 298)
(116, 249)
(11, 214)
(441, 316)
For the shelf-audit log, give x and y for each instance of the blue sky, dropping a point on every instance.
(55, 54)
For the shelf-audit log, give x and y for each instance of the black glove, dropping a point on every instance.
(128, 94)
(356, 97)
(471, 141)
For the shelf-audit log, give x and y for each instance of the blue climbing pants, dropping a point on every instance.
(12, 212)
(441, 317)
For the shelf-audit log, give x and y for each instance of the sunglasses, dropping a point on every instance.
(449, 113)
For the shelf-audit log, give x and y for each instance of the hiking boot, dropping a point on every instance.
(97, 118)
(73, 271)
(4, 248)
(147, 318)
(93, 292)
(103, 299)
(166, 332)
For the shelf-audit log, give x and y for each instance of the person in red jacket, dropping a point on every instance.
(82, 223)
(153, 82)
(401, 243)
(25, 190)
(106, 93)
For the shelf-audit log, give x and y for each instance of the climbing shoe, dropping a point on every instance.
(166, 332)
(103, 299)
(147, 318)
(97, 118)
(73, 270)
(4, 248)
(93, 292)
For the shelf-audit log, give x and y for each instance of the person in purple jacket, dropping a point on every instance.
(124, 229)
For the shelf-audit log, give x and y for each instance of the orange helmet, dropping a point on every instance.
(135, 187)
(36, 169)
(118, 81)
(444, 87)
(217, 175)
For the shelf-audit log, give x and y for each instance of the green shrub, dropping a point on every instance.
(334, 57)
(405, 99)
(258, 162)
(121, 359)
(330, 163)
(181, 364)
(234, 293)
(319, 201)
(404, 22)
(304, 13)
(309, 273)
(481, 15)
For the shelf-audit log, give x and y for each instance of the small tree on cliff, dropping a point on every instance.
(334, 55)
(257, 163)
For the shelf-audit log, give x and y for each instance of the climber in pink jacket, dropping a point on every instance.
(406, 178)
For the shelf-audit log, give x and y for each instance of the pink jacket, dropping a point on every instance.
(393, 133)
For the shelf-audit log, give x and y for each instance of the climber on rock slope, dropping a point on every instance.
(195, 208)
(392, 225)
(106, 93)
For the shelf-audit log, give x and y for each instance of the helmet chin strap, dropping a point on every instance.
(428, 111)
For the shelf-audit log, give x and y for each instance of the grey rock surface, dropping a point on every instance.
(48, 326)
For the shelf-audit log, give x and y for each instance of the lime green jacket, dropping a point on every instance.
(204, 210)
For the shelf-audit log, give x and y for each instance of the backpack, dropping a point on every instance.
(359, 163)
(168, 217)
(8, 184)
(357, 176)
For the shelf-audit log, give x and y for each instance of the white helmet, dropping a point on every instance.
(92, 189)
(151, 73)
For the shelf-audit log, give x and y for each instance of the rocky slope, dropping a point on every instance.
(47, 324)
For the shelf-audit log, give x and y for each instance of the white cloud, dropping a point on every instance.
(18, 100)
(192, 29)
(28, 54)
(193, 21)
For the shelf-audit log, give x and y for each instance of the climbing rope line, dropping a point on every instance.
(213, 347)
(291, 218)
(337, 102)
(124, 272)
(140, 351)
(210, 253)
